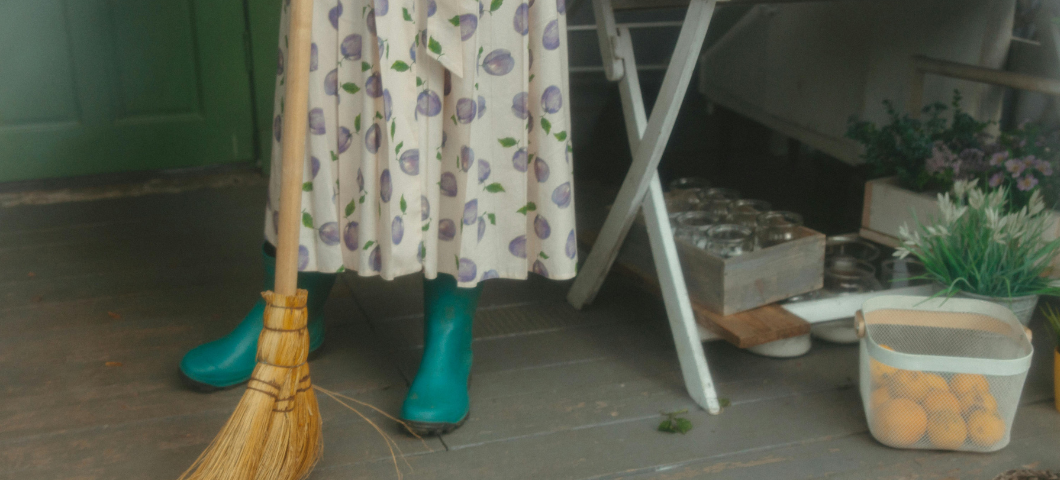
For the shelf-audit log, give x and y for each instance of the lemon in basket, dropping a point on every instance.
(910, 384)
(942, 401)
(985, 428)
(965, 383)
(899, 422)
(971, 402)
(946, 429)
(879, 397)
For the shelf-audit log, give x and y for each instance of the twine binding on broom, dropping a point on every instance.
(275, 432)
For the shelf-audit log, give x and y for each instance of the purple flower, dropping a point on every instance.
(1026, 183)
(1015, 167)
(996, 179)
(998, 158)
(1045, 167)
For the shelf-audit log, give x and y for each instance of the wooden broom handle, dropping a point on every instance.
(295, 123)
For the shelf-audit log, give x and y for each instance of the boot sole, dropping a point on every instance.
(203, 387)
(430, 429)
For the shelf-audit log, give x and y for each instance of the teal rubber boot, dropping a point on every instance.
(437, 401)
(230, 360)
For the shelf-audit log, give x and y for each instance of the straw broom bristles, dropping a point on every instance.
(275, 432)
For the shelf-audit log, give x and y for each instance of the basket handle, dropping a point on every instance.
(859, 323)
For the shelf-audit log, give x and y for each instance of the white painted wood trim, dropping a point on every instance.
(606, 32)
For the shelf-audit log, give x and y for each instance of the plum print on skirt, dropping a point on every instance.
(483, 148)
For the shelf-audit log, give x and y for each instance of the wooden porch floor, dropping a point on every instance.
(99, 301)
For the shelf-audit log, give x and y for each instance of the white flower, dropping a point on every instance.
(961, 187)
(901, 252)
(1037, 205)
(976, 198)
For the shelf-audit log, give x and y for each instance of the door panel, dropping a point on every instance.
(95, 86)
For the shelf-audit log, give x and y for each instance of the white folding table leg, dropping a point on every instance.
(694, 368)
(648, 153)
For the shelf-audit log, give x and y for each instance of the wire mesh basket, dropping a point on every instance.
(943, 374)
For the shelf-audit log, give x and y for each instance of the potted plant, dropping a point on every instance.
(912, 159)
(1053, 318)
(980, 248)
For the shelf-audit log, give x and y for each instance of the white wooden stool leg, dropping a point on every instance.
(694, 368)
(647, 156)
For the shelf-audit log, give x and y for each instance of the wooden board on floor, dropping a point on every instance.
(744, 329)
(753, 327)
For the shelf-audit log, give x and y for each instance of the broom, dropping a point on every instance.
(275, 431)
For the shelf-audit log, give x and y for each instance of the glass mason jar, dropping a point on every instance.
(692, 227)
(846, 274)
(745, 212)
(851, 245)
(902, 272)
(721, 193)
(717, 206)
(777, 227)
(688, 183)
(729, 240)
(684, 200)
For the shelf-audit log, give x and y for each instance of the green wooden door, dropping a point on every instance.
(95, 86)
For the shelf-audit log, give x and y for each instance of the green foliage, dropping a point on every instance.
(901, 147)
(675, 424)
(974, 246)
(1052, 318)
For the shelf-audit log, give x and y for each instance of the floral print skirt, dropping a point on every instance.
(439, 140)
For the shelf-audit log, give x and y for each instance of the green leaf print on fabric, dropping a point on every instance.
(334, 158)
(457, 258)
(434, 46)
(400, 66)
(561, 136)
(419, 82)
(378, 115)
(405, 14)
(351, 87)
(368, 244)
(365, 66)
(398, 148)
(307, 220)
(453, 118)
(546, 125)
(494, 188)
(530, 79)
(529, 207)
(455, 20)
(495, 5)
(351, 207)
(507, 142)
(426, 226)
(307, 187)
(403, 204)
(492, 217)
(542, 255)
(393, 125)
(357, 124)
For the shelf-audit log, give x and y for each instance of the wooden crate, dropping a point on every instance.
(731, 285)
(889, 206)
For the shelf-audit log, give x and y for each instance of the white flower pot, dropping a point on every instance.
(839, 331)
(1023, 306)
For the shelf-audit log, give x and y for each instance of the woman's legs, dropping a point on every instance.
(437, 401)
(230, 360)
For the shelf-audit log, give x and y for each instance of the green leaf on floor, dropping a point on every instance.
(724, 402)
(675, 424)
